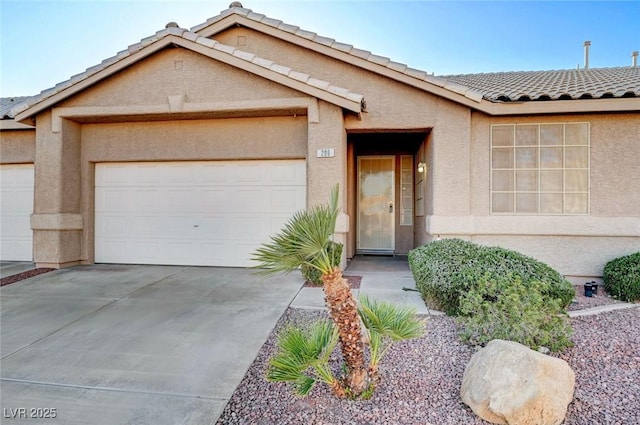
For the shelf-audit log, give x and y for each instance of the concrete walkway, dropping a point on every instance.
(112, 344)
(383, 278)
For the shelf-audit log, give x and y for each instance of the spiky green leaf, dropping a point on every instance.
(303, 240)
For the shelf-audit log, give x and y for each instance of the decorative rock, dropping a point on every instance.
(508, 383)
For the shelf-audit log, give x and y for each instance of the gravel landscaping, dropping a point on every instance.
(24, 275)
(581, 302)
(421, 380)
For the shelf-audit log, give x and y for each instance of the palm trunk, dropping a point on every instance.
(344, 312)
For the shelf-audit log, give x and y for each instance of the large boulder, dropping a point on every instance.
(508, 383)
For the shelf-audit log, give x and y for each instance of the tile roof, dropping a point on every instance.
(236, 9)
(172, 30)
(593, 83)
(8, 103)
(500, 87)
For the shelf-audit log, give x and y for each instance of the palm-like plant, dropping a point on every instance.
(301, 351)
(306, 240)
(387, 323)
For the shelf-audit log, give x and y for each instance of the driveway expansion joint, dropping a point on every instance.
(66, 325)
(110, 389)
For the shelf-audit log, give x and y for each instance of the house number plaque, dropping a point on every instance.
(326, 153)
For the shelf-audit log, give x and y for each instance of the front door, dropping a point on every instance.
(376, 217)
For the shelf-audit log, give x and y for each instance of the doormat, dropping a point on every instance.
(354, 282)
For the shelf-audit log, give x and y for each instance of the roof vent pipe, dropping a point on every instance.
(634, 59)
(586, 54)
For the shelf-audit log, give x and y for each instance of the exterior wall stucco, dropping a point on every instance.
(390, 104)
(17, 146)
(457, 152)
(57, 193)
(66, 150)
(177, 71)
(575, 245)
(614, 149)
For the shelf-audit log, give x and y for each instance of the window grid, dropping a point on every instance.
(406, 190)
(539, 169)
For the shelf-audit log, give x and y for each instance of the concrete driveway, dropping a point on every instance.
(114, 344)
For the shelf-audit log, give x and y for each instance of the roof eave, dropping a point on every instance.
(14, 125)
(72, 89)
(625, 104)
(351, 103)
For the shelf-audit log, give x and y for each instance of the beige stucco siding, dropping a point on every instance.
(177, 71)
(574, 244)
(614, 149)
(390, 104)
(17, 146)
(235, 138)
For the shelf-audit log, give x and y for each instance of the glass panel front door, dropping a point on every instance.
(376, 208)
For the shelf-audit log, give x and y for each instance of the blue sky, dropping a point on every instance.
(45, 42)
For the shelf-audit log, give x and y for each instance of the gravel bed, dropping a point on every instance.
(580, 302)
(421, 380)
(24, 275)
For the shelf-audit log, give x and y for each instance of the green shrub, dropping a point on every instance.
(622, 277)
(446, 268)
(312, 274)
(507, 308)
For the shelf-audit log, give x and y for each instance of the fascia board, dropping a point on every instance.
(14, 125)
(626, 104)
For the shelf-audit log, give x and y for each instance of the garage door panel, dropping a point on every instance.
(249, 174)
(285, 174)
(194, 213)
(111, 200)
(111, 225)
(215, 200)
(214, 227)
(141, 226)
(284, 200)
(16, 207)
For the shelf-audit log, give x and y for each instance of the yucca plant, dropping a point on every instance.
(307, 240)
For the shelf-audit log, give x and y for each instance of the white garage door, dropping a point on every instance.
(193, 213)
(16, 206)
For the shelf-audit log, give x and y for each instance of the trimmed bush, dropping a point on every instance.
(506, 308)
(445, 269)
(313, 275)
(622, 277)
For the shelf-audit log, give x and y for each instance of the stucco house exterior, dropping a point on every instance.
(193, 146)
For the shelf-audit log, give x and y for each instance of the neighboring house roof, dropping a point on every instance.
(179, 36)
(8, 103)
(594, 83)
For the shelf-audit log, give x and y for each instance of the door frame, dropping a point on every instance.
(360, 249)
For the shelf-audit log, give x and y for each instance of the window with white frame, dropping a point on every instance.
(540, 168)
